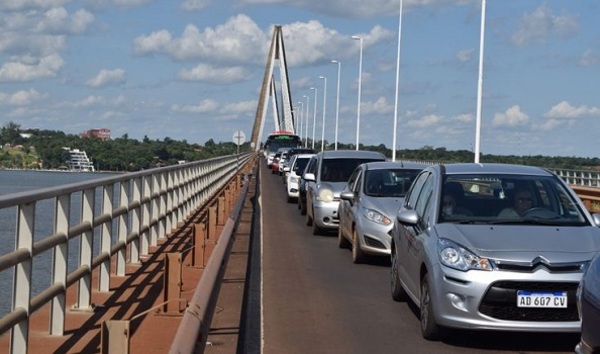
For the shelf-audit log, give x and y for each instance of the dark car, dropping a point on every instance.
(588, 303)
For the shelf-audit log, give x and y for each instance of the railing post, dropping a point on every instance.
(123, 229)
(115, 337)
(106, 238)
(199, 244)
(59, 264)
(22, 277)
(84, 299)
(172, 285)
(221, 210)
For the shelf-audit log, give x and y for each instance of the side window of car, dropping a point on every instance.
(423, 206)
(352, 179)
(413, 193)
(358, 182)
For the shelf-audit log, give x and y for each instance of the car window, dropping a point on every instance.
(389, 182)
(415, 189)
(339, 170)
(513, 198)
(300, 164)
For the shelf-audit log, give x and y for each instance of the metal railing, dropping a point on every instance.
(123, 215)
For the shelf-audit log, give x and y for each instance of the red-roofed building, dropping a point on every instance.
(102, 134)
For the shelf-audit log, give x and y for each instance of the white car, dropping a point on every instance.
(296, 167)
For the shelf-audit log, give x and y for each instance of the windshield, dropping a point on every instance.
(508, 199)
(339, 170)
(389, 182)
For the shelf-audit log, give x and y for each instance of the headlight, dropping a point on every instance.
(325, 195)
(457, 257)
(377, 217)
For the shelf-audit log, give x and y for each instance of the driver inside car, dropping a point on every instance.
(521, 203)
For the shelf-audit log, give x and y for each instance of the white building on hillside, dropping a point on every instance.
(79, 161)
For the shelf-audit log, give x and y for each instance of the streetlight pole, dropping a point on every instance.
(324, 108)
(314, 117)
(359, 88)
(299, 122)
(337, 103)
(306, 123)
(397, 85)
(480, 84)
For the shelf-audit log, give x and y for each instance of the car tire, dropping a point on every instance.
(303, 208)
(315, 229)
(398, 292)
(429, 328)
(357, 254)
(342, 241)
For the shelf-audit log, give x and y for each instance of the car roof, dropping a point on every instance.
(350, 154)
(494, 168)
(381, 165)
(303, 156)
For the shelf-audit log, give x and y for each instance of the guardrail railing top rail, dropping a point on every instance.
(119, 216)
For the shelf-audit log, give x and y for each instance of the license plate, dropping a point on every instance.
(557, 299)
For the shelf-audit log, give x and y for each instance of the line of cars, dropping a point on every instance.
(474, 246)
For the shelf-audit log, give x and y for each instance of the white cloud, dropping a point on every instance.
(465, 55)
(237, 40)
(20, 98)
(209, 73)
(25, 71)
(194, 5)
(512, 117)
(30, 4)
(565, 110)
(549, 124)
(240, 40)
(240, 107)
(205, 106)
(425, 121)
(57, 20)
(465, 118)
(542, 25)
(589, 58)
(379, 106)
(107, 78)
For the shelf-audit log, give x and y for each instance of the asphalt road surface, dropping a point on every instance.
(315, 300)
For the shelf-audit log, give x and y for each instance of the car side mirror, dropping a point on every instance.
(347, 195)
(310, 177)
(408, 217)
(596, 219)
(286, 169)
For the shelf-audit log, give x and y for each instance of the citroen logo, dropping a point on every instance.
(540, 260)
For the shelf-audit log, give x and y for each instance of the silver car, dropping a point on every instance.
(325, 178)
(506, 251)
(369, 204)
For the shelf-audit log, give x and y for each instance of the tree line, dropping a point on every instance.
(44, 149)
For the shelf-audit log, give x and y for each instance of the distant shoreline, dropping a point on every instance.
(56, 170)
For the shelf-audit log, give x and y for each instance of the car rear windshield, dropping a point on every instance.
(339, 170)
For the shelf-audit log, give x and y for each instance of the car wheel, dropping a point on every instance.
(357, 254)
(298, 203)
(429, 329)
(342, 241)
(398, 293)
(315, 229)
(290, 199)
(303, 208)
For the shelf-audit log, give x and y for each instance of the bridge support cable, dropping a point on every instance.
(286, 120)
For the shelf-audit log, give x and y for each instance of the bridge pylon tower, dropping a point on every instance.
(283, 120)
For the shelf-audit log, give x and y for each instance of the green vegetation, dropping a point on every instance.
(44, 149)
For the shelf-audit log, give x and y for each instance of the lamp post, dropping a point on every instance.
(314, 117)
(359, 88)
(397, 85)
(306, 123)
(299, 122)
(337, 103)
(324, 108)
(480, 84)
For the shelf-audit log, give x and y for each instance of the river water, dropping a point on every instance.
(14, 181)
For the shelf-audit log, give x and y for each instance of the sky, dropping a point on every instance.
(192, 70)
